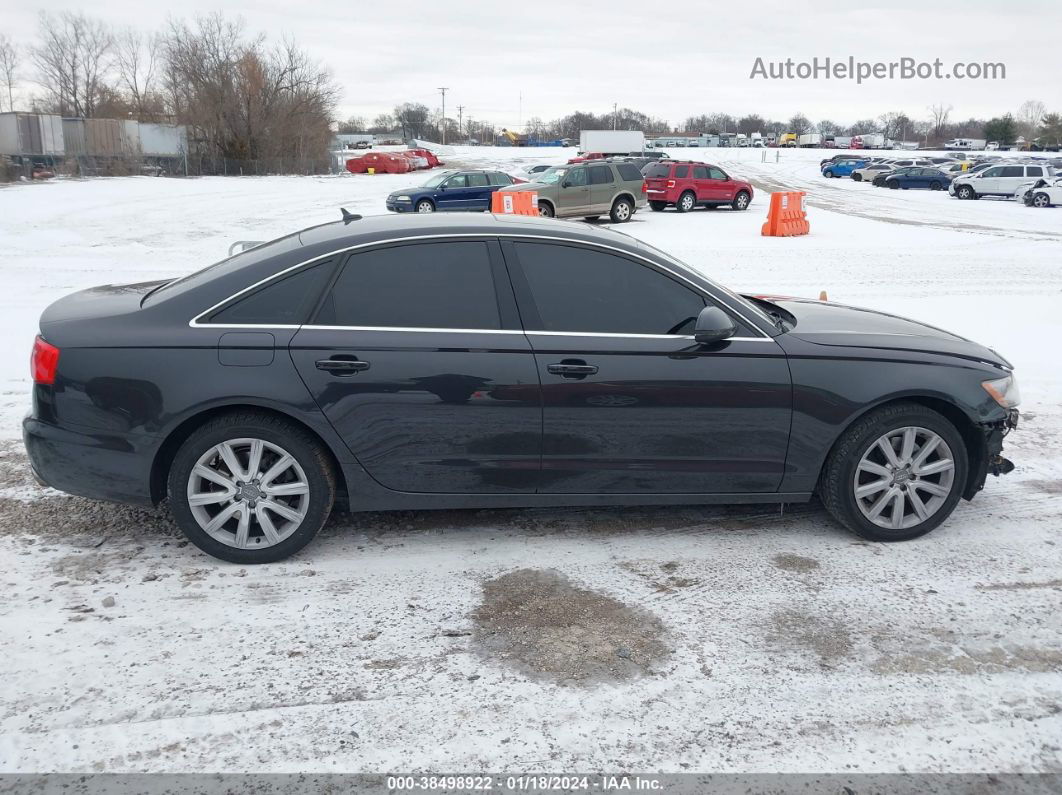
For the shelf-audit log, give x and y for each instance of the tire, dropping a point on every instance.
(425, 206)
(842, 475)
(827, 173)
(545, 209)
(893, 184)
(965, 192)
(935, 186)
(686, 202)
(857, 177)
(657, 206)
(1041, 199)
(591, 217)
(621, 212)
(741, 200)
(307, 510)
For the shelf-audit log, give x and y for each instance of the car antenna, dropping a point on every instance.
(348, 216)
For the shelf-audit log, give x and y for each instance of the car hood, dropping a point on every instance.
(829, 324)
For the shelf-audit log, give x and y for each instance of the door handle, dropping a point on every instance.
(342, 366)
(572, 368)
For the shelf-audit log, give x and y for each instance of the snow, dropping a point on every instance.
(940, 654)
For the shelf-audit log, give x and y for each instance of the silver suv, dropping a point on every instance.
(997, 180)
(589, 190)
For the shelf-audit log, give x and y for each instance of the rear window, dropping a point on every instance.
(284, 302)
(658, 170)
(629, 172)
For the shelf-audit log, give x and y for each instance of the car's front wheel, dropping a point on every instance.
(545, 209)
(741, 201)
(857, 177)
(425, 206)
(1041, 200)
(966, 192)
(896, 474)
(251, 488)
(621, 212)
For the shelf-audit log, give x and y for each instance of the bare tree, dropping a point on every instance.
(940, 113)
(72, 61)
(9, 63)
(136, 62)
(1030, 115)
(799, 124)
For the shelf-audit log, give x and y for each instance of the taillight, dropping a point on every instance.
(644, 188)
(44, 362)
(671, 183)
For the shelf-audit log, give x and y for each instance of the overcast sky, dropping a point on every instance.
(669, 60)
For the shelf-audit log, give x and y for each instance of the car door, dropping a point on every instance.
(717, 180)
(702, 185)
(479, 191)
(989, 181)
(1009, 180)
(573, 193)
(918, 178)
(631, 404)
(452, 193)
(416, 357)
(602, 188)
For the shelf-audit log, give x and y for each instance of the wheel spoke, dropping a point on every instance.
(275, 470)
(875, 510)
(867, 489)
(908, 445)
(223, 516)
(243, 529)
(232, 461)
(210, 497)
(874, 469)
(899, 502)
(932, 444)
(287, 489)
(938, 466)
(918, 505)
(281, 509)
(269, 530)
(254, 458)
(932, 488)
(886, 448)
(206, 473)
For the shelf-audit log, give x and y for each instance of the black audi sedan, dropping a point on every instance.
(427, 361)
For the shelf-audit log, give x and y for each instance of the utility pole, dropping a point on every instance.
(460, 117)
(443, 90)
(615, 114)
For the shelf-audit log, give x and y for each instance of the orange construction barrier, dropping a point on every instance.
(787, 215)
(514, 202)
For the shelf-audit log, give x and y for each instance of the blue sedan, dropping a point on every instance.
(917, 177)
(446, 191)
(843, 168)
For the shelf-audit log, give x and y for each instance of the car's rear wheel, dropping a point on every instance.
(686, 202)
(857, 177)
(741, 200)
(966, 192)
(545, 209)
(657, 206)
(1041, 200)
(622, 210)
(425, 206)
(935, 185)
(896, 474)
(251, 488)
(893, 184)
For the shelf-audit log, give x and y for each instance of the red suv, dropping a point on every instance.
(687, 184)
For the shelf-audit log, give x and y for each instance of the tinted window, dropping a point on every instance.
(429, 285)
(477, 180)
(681, 171)
(700, 172)
(1012, 171)
(600, 175)
(577, 289)
(658, 170)
(498, 178)
(629, 171)
(285, 302)
(1035, 171)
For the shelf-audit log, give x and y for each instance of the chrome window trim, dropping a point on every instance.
(195, 321)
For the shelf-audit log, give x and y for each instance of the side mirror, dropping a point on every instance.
(443, 186)
(566, 184)
(713, 325)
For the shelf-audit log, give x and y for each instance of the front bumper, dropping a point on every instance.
(94, 464)
(989, 457)
(399, 207)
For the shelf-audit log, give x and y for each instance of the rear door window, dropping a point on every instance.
(444, 285)
(681, 172)
(477, 180)
(1034, 171)
(600, 175)
(584, 290)
(498, 178)
(700, 172)
(286, 301)
(1012, 171)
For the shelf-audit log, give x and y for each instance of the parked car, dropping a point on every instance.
(835, 159)
(843, 168)
(538, 168)
(380, 163)
(870, 171)
(1042, 193)
(917, 177)
(589, 190)
(450, 190)
(582, 158)
(356, 363)
(996, 180)
(685, 184)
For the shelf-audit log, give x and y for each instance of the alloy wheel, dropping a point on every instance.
(248, 493)
(1041, 200)
(425, 206)
(742, 201)
(687, 201)
(904, 478)
(621, 212)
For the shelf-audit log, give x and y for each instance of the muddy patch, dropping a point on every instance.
(541, 623)
(794, 563)
(826, 638)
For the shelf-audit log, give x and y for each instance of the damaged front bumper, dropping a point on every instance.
(991, 459)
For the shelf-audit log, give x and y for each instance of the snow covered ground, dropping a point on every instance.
(756, 640)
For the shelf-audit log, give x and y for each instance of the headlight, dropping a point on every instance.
(401, 198)
(1004, 391)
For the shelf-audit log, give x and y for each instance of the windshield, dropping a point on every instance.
(438, 179)
(551, 176)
